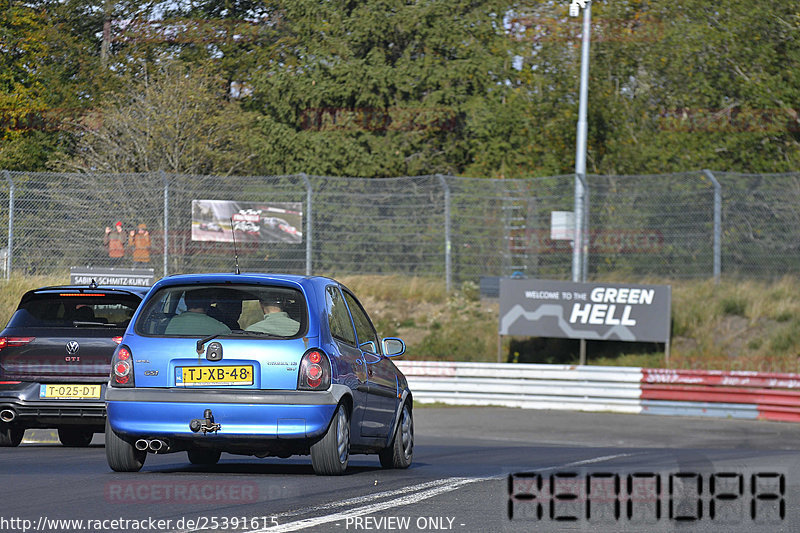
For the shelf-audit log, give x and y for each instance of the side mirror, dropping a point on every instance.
(392, 347)
(368, 346)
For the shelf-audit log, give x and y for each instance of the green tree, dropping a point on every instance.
(45, 78)
(383, 88)
(174, 119)
(704, 86)
(674, 86)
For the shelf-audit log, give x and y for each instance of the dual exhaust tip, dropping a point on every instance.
(7, 415)
(154, 445)
(205, 425)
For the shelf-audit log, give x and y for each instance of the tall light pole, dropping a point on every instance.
(580, 248)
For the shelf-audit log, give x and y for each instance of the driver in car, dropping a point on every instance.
(195, 321)
(276, 320)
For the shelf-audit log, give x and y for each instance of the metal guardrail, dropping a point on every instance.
(763, 395)
(525, 385)
(747, 395)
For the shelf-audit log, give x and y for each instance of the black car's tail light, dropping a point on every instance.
(315, 371)
(8, 342)
(117, 339)
(122, 368)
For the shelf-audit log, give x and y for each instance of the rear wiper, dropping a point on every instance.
(204, 340)
(78, 323)
(259, 333)
(236, 332)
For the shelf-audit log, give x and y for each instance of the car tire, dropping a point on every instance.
(122, 456)
(75, 437)
(203, 457)
(10, 436)
(330, 454)
(401, 452)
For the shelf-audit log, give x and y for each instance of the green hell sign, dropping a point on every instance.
(593, 311)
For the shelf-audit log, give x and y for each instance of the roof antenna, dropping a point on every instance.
(235, 251)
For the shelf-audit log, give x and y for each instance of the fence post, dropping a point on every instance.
(309, 225)
(448, 267)
(10, 222)
(166, 220)
(717, 225)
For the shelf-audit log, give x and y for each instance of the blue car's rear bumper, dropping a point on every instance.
(242, 414)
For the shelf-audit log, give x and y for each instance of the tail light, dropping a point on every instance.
(118, 339)
(315, 371)
(7, 342)
(122, 367)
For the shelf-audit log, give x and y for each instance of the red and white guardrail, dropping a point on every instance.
(735, 394)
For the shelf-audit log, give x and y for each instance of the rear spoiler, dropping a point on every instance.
(82, 289)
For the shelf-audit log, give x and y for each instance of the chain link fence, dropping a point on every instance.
(688, 225)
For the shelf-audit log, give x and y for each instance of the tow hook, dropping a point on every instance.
(206, 424)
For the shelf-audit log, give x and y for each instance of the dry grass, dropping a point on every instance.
(394, 287)
(12, 290)
(737, 324)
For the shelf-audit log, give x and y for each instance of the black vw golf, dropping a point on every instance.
(55, 359)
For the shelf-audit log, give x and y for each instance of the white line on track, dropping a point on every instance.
(370, 503)
(358, 500)
(597, 460)
(600, 459)
(414, 494)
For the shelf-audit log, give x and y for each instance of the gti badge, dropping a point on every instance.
(73, 347)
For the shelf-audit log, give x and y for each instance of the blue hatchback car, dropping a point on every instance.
(256, 364)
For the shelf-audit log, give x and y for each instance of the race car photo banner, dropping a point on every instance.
(216, 220)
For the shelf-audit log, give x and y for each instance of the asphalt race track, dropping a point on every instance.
(475, 470)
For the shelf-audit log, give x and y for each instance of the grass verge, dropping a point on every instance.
(733, 325)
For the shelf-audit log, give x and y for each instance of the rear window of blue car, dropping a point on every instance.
(201, 310)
